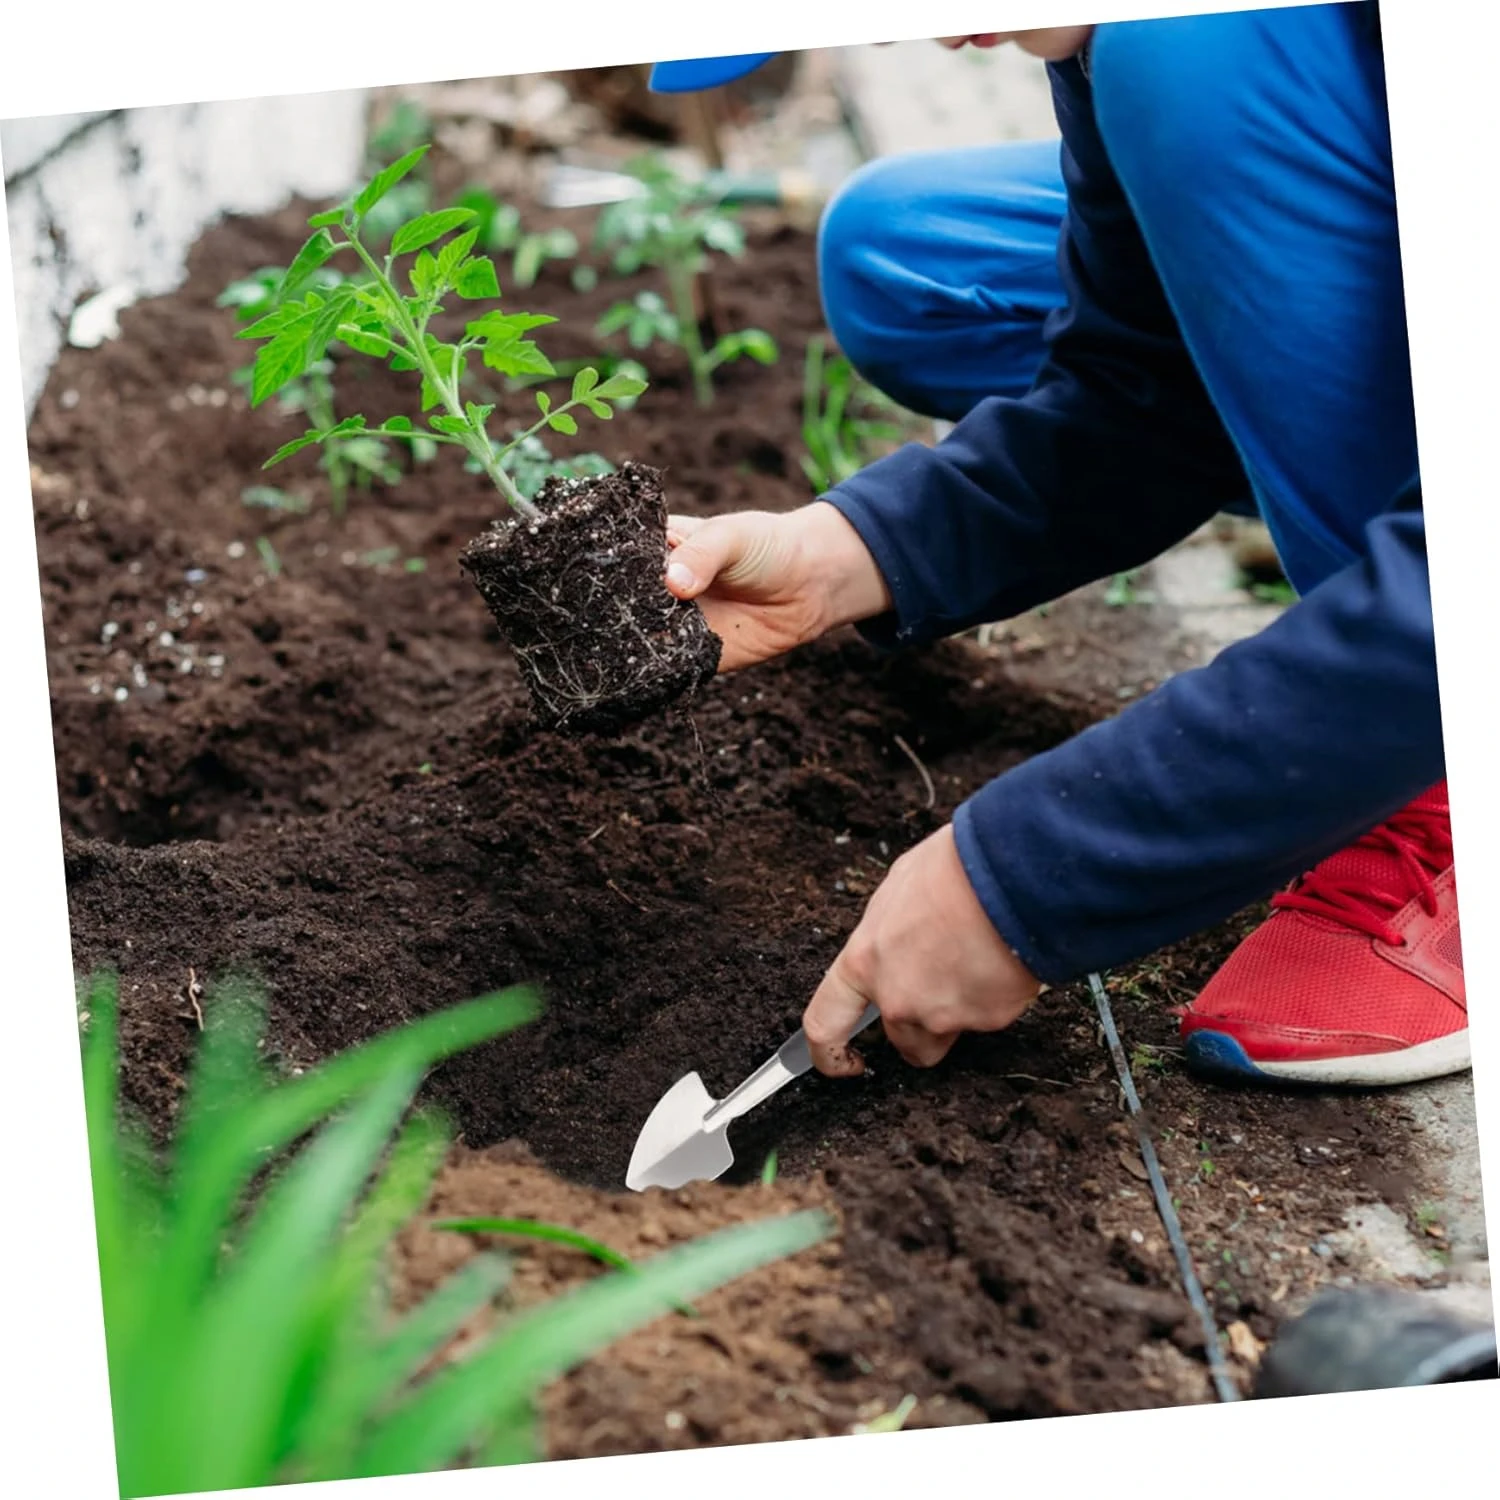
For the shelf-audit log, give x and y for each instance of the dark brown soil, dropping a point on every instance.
(579, 597)
(325, 775)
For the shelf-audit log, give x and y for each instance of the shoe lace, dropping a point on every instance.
(1421, 840)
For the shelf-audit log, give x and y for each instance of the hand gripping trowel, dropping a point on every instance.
(686, 1137)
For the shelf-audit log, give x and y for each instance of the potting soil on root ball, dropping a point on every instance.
(578, 593)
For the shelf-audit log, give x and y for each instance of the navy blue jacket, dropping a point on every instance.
(1227, 781)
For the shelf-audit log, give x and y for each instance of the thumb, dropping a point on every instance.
(829, 1021)
(728, 547)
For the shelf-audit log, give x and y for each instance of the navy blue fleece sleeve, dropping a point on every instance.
(1115, 454)
(1227, 781)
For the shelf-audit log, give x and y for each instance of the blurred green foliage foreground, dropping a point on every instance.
(250, 1334)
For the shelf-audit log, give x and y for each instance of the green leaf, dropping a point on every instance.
(528, 261)
(283, 359)
(618, 317)
(429, 227)
(584, 382)
(326, 220)
(478, 415)
(274, 322)
(355, 423)
(725, 235)
(476, 279)
(543, 402)
(384, 181)
(517, 357)
(560, 421)
(452, 255)
(424, 274)
(621, 386)
(435, 1425)
(496, 324)
(325, 325)
(395, 424)
(297, 444)
(451, 425)
(268, 497)
(599, 409)
(361, 340)
(313, 253)
(759, 345)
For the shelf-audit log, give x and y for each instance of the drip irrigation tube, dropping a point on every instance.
(1223, 1384)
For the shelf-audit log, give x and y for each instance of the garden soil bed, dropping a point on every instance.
(325, 777)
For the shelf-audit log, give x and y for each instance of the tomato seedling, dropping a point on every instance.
(672, 228)
(377, 318)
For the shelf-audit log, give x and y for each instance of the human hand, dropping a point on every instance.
(767, 583)
(929, 957)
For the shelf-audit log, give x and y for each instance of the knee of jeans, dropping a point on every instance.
(1160, 118)
(850, 235)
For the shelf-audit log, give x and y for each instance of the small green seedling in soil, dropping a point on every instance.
(839, 434)
(768, 1172)
(252, 1259)
(891, 1421)
(599, 645)
(675, 230)
(1122, 591)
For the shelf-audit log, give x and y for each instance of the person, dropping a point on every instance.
(1192, 302)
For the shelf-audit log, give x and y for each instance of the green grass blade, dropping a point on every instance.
(535, 1229)
(340, 1332)
(267, 1122)
(459, 1406)
(556, 1234)
(514, 1439)
(247, 1338)
(127, 1198)
(359, 1390)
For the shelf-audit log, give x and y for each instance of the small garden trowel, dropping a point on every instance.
(686, 1138)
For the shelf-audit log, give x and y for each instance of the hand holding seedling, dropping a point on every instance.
(767, 583)
(929, 957)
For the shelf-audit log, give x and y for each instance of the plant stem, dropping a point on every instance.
(320, 409)
(680, 286)
(477, 442)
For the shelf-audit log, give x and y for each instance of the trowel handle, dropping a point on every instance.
(792, 1059)
(796, 1057)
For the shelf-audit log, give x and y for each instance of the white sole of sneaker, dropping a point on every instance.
(1435, 1059)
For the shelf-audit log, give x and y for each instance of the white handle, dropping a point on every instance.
(791, 1060)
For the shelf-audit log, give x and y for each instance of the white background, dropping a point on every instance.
(92, 56)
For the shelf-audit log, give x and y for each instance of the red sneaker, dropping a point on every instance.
(1356, 977)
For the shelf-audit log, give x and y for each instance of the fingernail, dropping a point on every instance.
(680, 578)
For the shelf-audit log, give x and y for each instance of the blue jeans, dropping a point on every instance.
(1271, 221)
